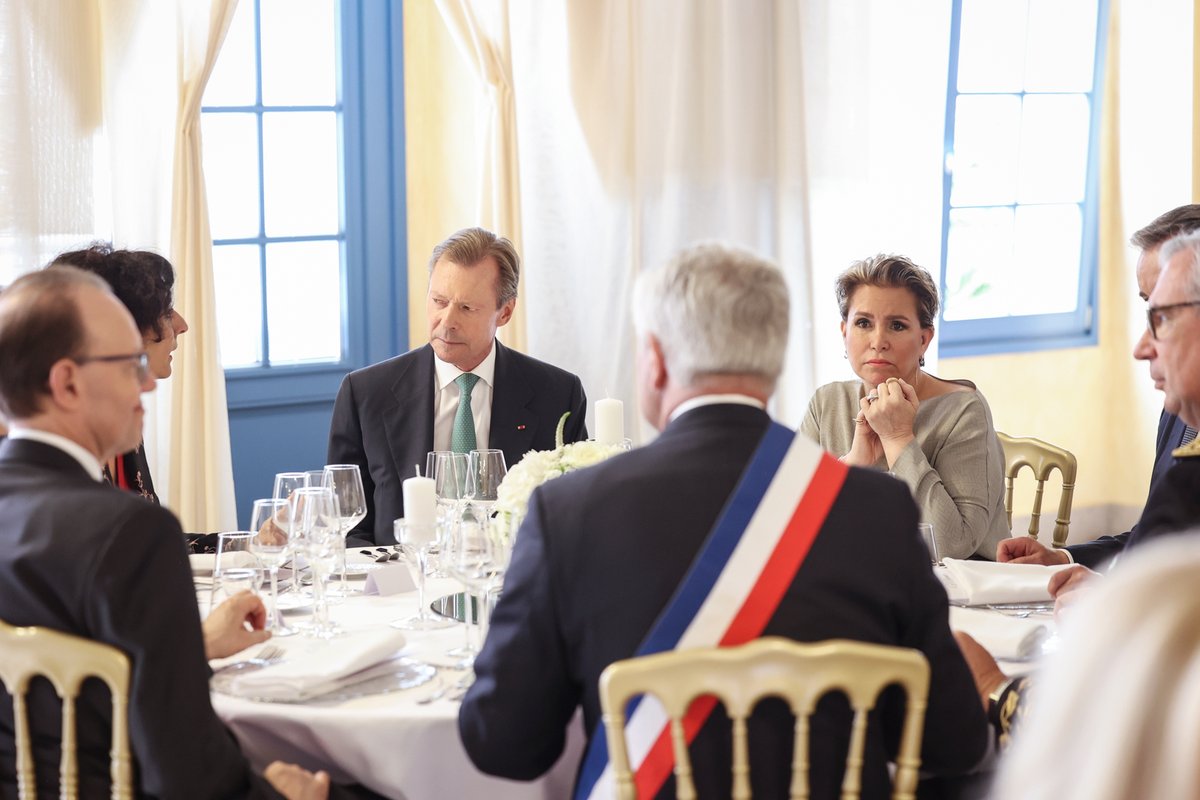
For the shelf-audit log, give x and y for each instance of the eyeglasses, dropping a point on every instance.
(1156, 316)
(142, 361)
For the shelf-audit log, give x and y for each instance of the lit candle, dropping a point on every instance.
(420, 501)
(610, 421)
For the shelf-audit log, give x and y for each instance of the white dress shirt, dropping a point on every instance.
(712, 400)
(446, 395)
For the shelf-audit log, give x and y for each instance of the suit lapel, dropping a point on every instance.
(513, 423)
(408, 425)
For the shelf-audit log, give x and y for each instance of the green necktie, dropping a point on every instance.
(462, 435)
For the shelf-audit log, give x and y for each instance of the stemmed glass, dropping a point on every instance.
(271, 522)
(318, 535)
(288, 482)
(449, 473)
(485, 470)
(417, 541)
(346, 482)
(470, 557)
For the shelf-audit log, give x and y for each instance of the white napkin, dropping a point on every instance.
(1006, 637)
(314, 666)
(202, 563)
(981, 582)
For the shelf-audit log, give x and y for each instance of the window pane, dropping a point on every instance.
(239, 304)
(1046, 259)
(298, 53)
(1062, 46)
(1054, 149)
(304, 301)
(986, 137)
(978, 254)
(232, 81)
(991, 46)
(300, 170)
(231, 173)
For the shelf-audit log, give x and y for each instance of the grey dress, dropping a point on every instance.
(954, 466)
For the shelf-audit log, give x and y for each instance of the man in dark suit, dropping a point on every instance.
(603, 550)
(1172, 431)
(389, 415)
(78, 556)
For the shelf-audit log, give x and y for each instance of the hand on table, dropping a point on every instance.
(1026, 550)
(1069, 585)
(984, 668)
(225, 631)
(297, 783)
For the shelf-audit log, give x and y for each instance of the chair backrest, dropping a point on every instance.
(800, 674)
(1042, 458)
(66, 661)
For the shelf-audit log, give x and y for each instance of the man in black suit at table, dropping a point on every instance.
(603, 550)
(389, 415)
(80, 557)
(1172, 431)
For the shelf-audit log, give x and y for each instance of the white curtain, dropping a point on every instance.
(643, 128)
(480, 29)
(93, 96)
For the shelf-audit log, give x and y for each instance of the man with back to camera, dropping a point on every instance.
(80, 557)
(603, 551)
(1172, 431)
(389, 415)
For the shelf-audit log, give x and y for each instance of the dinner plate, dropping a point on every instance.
(394, 675)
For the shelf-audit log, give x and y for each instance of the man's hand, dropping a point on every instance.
(1069, 585)
(225, 631)
(1025, 550)
(297, 783)
(984, 668)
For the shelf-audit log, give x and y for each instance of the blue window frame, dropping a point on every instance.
(1021, 175)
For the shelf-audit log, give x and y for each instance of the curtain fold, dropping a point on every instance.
(201, 469)
(481, 31)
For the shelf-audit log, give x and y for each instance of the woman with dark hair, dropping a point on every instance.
(144, 282)
(935, 435)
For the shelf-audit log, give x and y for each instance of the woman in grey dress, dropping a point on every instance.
(935, 435)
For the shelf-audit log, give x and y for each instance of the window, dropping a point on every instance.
(1019, 228)
(272, 131)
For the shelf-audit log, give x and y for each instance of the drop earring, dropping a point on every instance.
(921, 361)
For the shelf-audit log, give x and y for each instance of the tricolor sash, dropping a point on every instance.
(730, 592)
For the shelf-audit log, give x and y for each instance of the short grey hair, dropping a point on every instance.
(1189, 243)
(716, 309)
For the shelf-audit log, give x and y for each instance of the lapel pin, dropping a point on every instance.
(520, 427)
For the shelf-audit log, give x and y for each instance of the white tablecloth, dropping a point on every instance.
(388, 742)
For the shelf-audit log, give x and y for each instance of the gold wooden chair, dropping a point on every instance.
(800, 674)
(1042, 458)
(66, 661)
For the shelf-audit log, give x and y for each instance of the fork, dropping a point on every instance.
(269, 654)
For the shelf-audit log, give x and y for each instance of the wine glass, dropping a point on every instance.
(234, 568)
(317, 532)
(288, 482)
(346, 482)
(271, 522)
(470, 557)
(417, 541)
(485, 470)
(449, 473)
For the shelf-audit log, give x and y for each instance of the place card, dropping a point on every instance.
(392, 579)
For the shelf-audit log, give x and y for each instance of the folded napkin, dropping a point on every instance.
(1006, 637)
(977, 583)
(202, 563)
(312, 667)
(205, 563)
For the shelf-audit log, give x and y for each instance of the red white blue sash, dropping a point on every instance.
(730, 592)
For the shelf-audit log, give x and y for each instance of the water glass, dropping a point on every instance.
(417, 541)
(317, 532)
(288, 482)
(485, 470)
(926, 531)
(346, 482)
(235, 567)
(271, 522)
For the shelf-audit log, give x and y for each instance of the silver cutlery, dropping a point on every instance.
(270, 654)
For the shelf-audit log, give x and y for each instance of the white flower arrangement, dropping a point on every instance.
(539, 466)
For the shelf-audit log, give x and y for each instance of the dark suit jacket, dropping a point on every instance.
(1174, 505)
(79, 557)
(600, 554)
(383, 421)
(1100, 551)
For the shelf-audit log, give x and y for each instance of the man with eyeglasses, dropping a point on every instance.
(1172, 431)
(80, 557)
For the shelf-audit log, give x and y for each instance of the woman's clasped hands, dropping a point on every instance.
(884, 425)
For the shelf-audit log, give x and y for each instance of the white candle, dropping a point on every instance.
(610, 421)
(420, 501)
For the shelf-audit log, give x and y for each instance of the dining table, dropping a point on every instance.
(404, 744)
(392, 743)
